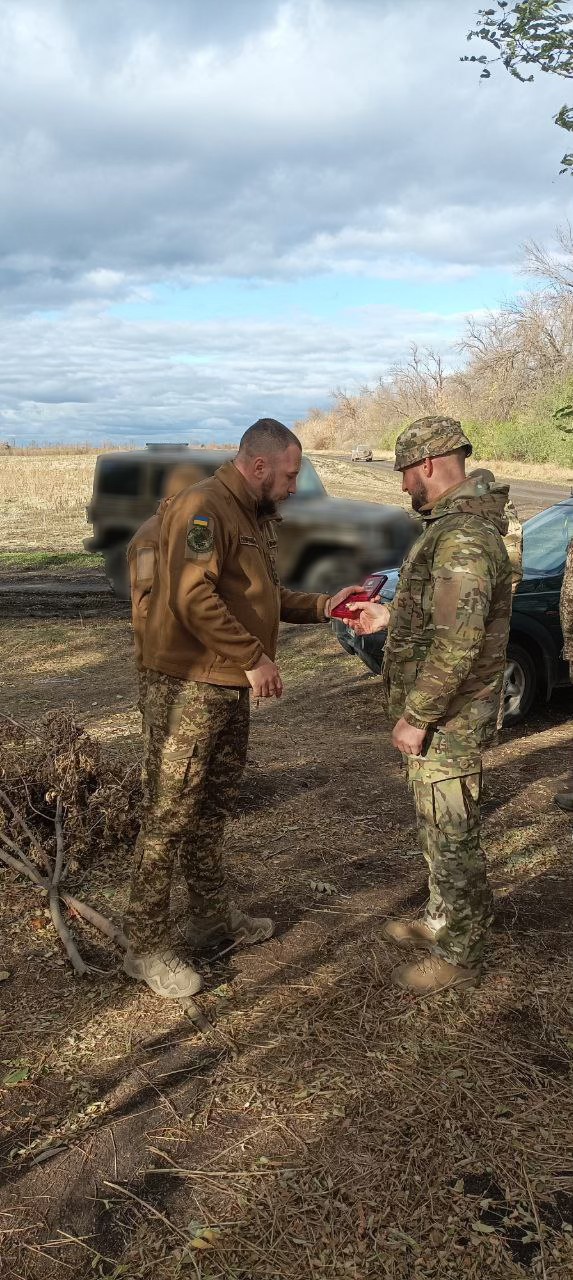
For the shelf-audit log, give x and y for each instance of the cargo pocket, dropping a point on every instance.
(163, 709)
(455, 804)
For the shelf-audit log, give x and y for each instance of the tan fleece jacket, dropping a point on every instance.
(216, 601)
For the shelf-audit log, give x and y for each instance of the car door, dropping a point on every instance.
(545, 541)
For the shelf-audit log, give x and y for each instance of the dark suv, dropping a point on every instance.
(324, 542)
(535, 666)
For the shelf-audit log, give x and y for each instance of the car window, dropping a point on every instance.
(308, 484)
(158, 480)
(118, 476)
(545, 540)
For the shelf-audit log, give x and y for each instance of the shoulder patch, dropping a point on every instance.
(200, 539)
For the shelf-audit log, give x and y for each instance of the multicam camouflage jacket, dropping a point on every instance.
(445, 653)
(566, 607)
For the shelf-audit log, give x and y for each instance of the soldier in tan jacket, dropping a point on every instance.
(210, 639)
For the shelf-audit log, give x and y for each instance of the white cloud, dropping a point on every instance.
(147, 143)
(192, 379)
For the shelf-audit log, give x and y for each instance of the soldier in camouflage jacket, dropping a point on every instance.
(443, 674)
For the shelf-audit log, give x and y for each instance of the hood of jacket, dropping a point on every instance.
(474, 497)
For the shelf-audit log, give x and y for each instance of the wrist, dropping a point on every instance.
(415, 721)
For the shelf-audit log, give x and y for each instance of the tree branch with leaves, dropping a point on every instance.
(532, 33)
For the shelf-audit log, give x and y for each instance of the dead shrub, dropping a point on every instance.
(54, 757)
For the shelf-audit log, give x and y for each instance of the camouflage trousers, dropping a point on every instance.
(446, 786)
(195, 748)
(142, 679)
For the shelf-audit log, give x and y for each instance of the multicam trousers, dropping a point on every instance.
(447, 790)
(195, 739)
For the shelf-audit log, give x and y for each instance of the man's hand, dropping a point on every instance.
(265, 678)
(370, 617)
(407, 739)
(333, 601)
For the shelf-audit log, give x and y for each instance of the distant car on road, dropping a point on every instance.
(361, 453)
(324, 542)
(535, 666)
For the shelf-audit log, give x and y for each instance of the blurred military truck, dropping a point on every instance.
(324, 542)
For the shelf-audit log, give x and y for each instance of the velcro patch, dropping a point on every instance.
(145, 565)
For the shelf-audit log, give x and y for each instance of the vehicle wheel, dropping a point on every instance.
(330, 573)
(519, 684)
(116, 571)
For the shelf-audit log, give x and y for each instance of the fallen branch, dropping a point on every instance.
(95, 918)
(59, 844)
(27, 831)
(21, 863)
(61, 927)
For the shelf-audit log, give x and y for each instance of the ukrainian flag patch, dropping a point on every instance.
(200, 538)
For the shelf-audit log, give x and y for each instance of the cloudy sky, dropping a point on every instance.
(213, 211)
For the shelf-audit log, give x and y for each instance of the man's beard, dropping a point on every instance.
(419, 497)
(266, 506)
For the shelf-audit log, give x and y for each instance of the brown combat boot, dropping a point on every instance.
(235, 926)
(409, 933)
(433, 974)
(565, 800)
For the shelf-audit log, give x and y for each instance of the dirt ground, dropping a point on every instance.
(322, 1126)
(325, 1126)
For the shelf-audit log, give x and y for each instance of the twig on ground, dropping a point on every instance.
(537, 1222)
(150, 1209)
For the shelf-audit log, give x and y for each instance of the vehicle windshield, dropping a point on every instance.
(545, 541)
(308, 484)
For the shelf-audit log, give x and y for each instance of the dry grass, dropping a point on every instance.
(43, 498)
(326, 1127)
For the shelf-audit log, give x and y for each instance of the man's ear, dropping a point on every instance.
(259, 468)
(428, 466)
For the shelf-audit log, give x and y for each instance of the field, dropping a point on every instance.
(320, 1126)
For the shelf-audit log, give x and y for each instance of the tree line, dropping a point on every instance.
(511, 378)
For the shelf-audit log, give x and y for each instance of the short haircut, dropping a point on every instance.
(267, 436)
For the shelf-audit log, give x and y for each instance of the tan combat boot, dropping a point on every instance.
(410, 933)
(209, 931)
(165, 972)
(433, 974)
(565, 800)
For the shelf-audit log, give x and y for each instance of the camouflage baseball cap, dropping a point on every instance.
(429, 438)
